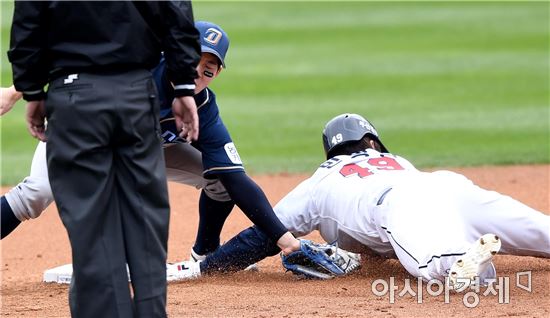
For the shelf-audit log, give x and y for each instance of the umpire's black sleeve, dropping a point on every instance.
(27, 52)
(181, 45)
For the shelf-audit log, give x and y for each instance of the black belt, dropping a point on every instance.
(94, 69)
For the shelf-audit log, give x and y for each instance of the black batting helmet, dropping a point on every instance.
(346, 128)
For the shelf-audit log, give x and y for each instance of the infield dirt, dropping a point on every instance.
(42, 243)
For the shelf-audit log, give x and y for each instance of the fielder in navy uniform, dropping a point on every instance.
(211, 163)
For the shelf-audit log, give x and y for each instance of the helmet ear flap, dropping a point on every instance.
(326, 144)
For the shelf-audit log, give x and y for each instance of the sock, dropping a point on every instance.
(212, 216)
(246, 248)
(8, 218)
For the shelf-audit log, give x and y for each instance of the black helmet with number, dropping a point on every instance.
(346, 128)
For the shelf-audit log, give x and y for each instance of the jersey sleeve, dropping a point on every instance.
(296, 209)
(219, 153)
(181, 45)
(27, 53)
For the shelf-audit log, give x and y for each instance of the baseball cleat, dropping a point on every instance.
(252, 268)
(183, 271)
(476, 260)
(195, 257)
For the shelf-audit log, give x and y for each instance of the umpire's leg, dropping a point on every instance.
(82, 120)
(142, 191)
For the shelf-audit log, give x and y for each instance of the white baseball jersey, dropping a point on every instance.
(427, 219)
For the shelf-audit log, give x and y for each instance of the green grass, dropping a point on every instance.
(446, 83)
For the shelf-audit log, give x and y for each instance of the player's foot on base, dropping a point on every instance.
(183, 271)
(476, 260)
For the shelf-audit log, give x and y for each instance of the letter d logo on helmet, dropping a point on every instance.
(213, 36)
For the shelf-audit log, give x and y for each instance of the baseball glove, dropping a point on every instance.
(320, 261)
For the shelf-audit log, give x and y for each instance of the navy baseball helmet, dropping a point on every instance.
(213, 39)
(346, 128)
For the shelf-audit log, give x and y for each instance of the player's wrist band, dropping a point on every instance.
(34, 95)
(184, 92)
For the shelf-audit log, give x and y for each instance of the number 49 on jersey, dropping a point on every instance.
(373, 165)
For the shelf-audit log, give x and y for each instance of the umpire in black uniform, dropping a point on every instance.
(104, 154)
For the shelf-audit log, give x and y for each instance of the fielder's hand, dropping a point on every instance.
(36, 119)
(184, 110)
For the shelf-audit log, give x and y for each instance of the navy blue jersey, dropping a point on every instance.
(219, 154)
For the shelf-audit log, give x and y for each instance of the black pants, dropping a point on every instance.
(107, 174)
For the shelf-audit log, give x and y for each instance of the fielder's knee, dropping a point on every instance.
(215, 190)
(29, 198)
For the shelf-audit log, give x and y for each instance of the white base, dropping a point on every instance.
(61, 274)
